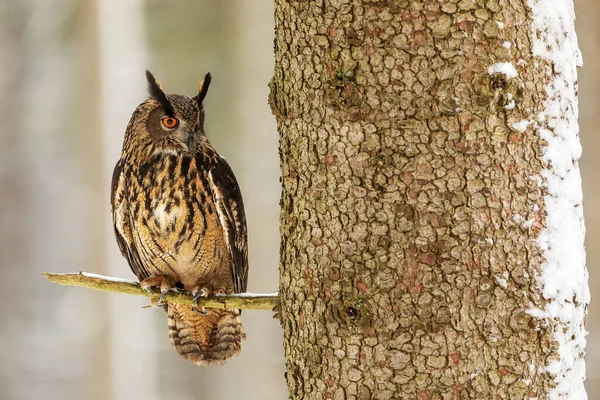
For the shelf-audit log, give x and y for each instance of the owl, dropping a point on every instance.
(179, 220)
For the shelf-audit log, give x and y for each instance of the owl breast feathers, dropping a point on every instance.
(179, 219)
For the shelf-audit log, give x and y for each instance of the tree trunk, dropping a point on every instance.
(432, 231)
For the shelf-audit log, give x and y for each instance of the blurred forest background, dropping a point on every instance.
(71, 74)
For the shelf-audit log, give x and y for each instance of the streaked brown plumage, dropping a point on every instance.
(179, 219)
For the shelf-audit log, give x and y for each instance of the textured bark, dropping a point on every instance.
(411, 201)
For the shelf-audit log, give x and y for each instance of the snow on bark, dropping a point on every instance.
(503, 68)
(564, 275)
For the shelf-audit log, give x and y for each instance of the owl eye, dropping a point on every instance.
(169, 122)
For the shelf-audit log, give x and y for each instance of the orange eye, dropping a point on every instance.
(169, 122)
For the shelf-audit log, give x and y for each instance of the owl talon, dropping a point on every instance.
(161, 299)
(201, 311)
(165, 283)
(197, 296)
(199, 292)
(148, 289)
(154, 302)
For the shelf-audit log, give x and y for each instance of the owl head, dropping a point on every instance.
(170, 123)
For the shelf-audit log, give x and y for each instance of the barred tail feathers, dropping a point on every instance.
(210, 339)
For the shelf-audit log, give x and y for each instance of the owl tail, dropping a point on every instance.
(209, 339)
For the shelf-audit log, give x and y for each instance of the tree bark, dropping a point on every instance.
(417, 239)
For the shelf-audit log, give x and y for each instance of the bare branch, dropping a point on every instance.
(244, 301)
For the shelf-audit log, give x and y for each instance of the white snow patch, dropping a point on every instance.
(521, 125)
(251, 294)
(500, 24)
(507, 45)
(505, 68)
(532, 370)
(539, 181)
(525, 224)
(553, 367)
(564, 277)
(536, 313)
(108, 278)
(511, 103)
(503, 280)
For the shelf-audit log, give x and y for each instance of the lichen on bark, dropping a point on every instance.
(410, 205)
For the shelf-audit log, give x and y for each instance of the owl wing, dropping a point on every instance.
(122, 224)
(230, 209)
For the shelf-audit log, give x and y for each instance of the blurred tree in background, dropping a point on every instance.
(71, 73)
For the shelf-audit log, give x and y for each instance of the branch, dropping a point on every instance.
(244, 301)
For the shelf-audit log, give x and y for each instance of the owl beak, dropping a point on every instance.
(190, 140)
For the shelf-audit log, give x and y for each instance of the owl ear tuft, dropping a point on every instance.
(156, 92)
(203, 88)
